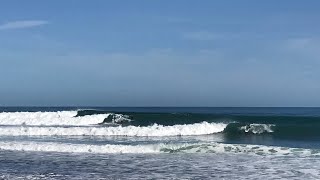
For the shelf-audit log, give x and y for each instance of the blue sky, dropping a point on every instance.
(160, 53)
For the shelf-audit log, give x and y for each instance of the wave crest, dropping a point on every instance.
(158, 148)
(50, 118)
(154, 130)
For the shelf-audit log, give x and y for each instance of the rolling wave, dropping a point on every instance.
(102, 123)
(154, 130)
(157, 148)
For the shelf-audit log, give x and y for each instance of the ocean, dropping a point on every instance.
(159, 143)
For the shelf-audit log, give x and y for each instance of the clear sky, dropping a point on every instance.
(160, 53)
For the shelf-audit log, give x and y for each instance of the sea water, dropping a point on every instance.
(159, 143)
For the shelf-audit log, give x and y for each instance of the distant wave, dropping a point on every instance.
(49, 118)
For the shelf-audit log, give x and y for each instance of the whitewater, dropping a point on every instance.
(49, 118)
(90, 136)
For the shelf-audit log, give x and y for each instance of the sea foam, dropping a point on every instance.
(156, 148)
(258, 128)
(49, 118)
(154, 130)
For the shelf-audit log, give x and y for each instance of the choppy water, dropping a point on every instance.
(40, 165)
(164, 143)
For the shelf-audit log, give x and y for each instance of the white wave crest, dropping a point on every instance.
(258, 128)
(154, 130)
(49, 118)
(76, 148)
(157, 148)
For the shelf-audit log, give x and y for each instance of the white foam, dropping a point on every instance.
(120, 118)
(49, 118)
(76, 148)
(156, 148)
(154, 130)
(242, 149)
(258, 128)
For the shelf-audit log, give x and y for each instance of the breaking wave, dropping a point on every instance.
(154, 130)
(50, 118)
(102, 123)
(258, 128)
(157, 148)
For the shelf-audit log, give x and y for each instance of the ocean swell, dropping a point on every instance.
(103, 123)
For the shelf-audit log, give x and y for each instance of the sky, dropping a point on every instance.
(160, 53)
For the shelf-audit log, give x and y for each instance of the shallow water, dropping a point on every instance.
(39, 165)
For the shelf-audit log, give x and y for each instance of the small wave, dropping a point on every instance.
(258, 128)
(75, 148)
(240, 149)
(158, 148)
(154, 130)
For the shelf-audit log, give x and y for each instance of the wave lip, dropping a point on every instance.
(50, 118)
(154, 130)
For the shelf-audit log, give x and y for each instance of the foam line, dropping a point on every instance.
(154, 130)
(49, 118)
(157, 148)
